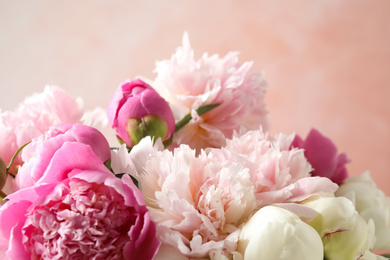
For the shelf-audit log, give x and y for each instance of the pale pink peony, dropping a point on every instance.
(35, 115)
(201, 201)
(188, 84)
(198, 202)
(81, 212)
(322, 154)
(279, 174)
(39, 155)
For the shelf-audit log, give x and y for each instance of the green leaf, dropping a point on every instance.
(202, 110)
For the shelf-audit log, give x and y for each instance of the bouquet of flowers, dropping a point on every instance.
(195, 175)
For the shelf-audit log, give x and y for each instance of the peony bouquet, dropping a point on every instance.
(195, 175)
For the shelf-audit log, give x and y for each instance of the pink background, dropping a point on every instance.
(327, 61)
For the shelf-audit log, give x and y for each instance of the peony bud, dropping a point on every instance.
(137, 110)
(371, 203)
(344, 233)
(3, 174)
(276, 233)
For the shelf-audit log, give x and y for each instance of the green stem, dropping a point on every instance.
(202, 110)
(13, 158)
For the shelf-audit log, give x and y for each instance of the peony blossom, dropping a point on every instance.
(188, 84)
(82, 211)
(35, 115)
(137, 110)
(198, 202)
(322, 154)
(279, 174)
(371, 203)
(276, 233)
(38, 156)
(344, 233)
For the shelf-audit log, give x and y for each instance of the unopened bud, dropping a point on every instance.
(137, 110)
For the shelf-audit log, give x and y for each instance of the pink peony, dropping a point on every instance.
(201, 201)
(188, 84)
(197, 201)
(35, 115)
(42, 151)
(279, 174)
(81, 211)
(137, 110)
(322, 154)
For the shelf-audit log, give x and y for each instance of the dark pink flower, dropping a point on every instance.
(137, 110)
(39, 154)
(322, 154)
(89, 214)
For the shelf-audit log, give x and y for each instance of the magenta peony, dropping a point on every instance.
(38, 156)
(80, 211)
(188, 84)
(322, 154)
(137, 110)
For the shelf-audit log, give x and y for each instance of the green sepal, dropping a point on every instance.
(149, 125)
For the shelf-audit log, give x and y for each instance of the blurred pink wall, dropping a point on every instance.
(327, 61)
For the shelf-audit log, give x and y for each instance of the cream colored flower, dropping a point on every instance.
(276, 233)
(344, 233)
(371, 203)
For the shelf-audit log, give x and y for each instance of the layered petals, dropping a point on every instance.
(371, 203)
(188, 84)
(322, 154)
(276, 233)
(59, 141)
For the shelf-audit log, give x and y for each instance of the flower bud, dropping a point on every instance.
(3, 174)
(276, 233)
(137, 110)
(344, 233)
(371, 203)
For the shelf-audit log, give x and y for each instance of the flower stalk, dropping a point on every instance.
(179, 125)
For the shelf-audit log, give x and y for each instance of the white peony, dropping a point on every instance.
(371, 203)
(344, 233)
(276, 233)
